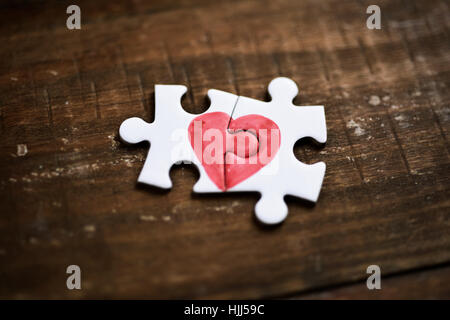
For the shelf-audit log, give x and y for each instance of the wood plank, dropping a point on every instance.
(73, 198)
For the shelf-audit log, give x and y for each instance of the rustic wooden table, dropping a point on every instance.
(68, 192)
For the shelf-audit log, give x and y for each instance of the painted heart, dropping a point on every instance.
(232, 150)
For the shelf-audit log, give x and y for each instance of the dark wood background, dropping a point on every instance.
(72, 198)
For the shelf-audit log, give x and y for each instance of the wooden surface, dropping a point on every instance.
(73, 198)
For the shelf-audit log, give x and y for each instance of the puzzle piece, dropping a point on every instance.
(266, 164)
(284, 174)
(170, 142)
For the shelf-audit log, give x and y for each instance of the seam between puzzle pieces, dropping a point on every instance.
(225, 153)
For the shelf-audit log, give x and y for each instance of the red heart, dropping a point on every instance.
(231, 156)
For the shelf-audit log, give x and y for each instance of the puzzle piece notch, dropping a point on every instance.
(243, 144)
(284, 175)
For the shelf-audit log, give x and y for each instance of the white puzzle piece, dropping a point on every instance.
(170, 137)
(284, 175)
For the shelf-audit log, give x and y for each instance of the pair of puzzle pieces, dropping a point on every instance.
(239, 144)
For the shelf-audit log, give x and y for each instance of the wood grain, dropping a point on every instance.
(73, 198)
